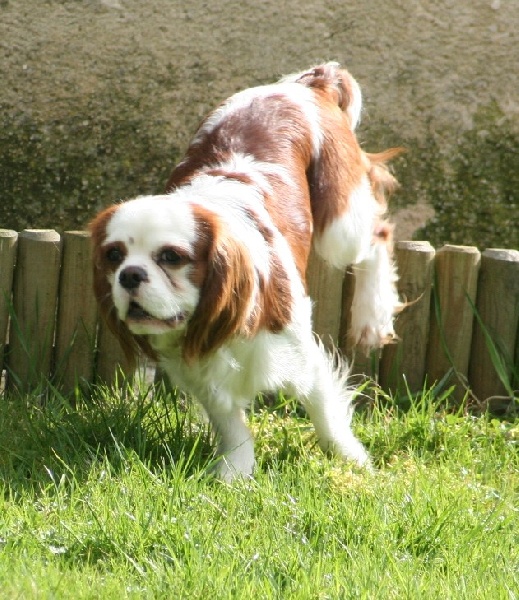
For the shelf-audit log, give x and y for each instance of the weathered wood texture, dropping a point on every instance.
(8, 239)
(325, 288)
(77, 313)
(497, 325)
(35, 299)
(403, 363)
(452, 316)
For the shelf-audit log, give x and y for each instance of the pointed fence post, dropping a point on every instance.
(8, 241)
(497, 325)
(35, 298)
(406, 358)
(452, 315)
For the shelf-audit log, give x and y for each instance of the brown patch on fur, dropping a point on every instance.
(277, 299)
(132, 345)
(334, 82)
(384, 232)
(339, 168)
(225, 294)
(271, 130)
(205, 235)
(289, 208)
(228, 174)
(227, 279)
(341, 164)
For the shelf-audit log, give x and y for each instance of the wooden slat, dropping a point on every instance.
(111, 361)
(515, 378)
(498, 308)
(325, 289)
(34, 300)
(8, 241)
(406, 358)
(77, 313)
(452, 317)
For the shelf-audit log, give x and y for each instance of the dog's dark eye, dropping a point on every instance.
(114, 255)
(171, 257)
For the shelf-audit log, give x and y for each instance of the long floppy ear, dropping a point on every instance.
(132, 345)
(225, 298)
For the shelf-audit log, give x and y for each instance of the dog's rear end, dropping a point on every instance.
(348, 197)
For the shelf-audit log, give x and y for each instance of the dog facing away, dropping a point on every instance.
(209, 279)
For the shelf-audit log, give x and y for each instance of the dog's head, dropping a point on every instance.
(170, 265)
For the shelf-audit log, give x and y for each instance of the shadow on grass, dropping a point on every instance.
(43, 432)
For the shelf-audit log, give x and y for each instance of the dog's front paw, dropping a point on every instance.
(227, 470)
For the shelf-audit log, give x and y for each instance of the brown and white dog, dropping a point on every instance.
(209, 279)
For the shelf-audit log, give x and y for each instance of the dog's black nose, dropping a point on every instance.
(131, 277)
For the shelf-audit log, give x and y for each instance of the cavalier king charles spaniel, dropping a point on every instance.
(209, 279)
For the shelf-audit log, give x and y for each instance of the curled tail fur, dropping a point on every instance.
(338, 83)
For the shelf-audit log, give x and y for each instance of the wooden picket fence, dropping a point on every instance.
(462, 318)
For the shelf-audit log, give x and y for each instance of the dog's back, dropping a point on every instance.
(299, 138)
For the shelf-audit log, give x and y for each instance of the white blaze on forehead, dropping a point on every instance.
(299, 95)
(149, 222)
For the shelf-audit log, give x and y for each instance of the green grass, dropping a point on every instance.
(107, 498)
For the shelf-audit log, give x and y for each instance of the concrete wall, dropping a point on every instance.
(100, 97)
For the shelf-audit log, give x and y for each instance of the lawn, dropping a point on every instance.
(107, 498)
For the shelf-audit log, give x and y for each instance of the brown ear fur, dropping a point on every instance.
(225, 295)
(131, 345)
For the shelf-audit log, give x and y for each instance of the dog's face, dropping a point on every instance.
(148, 258)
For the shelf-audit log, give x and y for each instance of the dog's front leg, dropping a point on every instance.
(235, 452)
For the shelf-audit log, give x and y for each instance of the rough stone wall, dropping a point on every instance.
(99, 98)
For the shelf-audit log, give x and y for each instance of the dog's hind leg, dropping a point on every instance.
(329, 404)
(375, 298)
